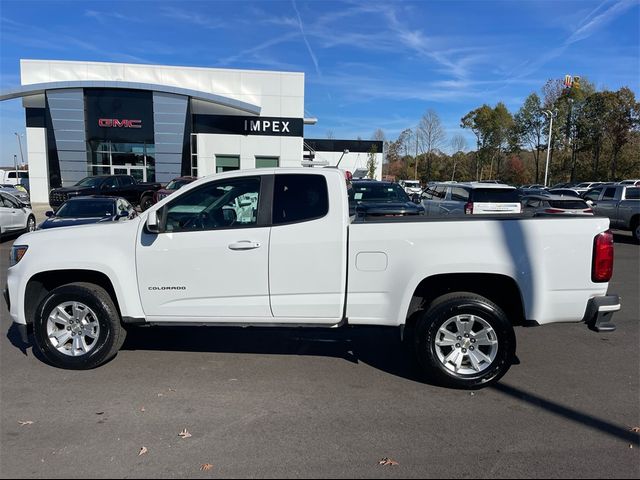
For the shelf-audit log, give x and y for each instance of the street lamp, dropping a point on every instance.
(21, 156)
(549, 114)
(344, 152)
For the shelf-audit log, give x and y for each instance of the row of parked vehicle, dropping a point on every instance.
(115, 198)
(618, 201)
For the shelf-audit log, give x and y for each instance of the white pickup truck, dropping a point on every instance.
(277, 247)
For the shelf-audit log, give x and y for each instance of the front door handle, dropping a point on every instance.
(244, 245)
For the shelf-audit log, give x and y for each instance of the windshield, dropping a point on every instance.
(381, 193)
(86, 208)
(89, 182)
(176, 184)
(493, 195)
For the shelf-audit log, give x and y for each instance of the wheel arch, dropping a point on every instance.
(500, 289)
(40, 284)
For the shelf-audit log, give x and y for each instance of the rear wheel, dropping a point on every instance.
(31, 223)
(77, 326)
(465, 341)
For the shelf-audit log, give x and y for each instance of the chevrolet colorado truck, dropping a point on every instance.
(277, 247)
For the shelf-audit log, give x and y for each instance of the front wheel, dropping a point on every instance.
(77, 326)
(465, 341)
(146, 202)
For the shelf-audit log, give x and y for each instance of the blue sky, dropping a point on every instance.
(368, 64)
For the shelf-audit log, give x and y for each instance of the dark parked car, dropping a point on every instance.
(92, 209)
(567, 192)
(171, 187)
(124, 186)
(374, 198)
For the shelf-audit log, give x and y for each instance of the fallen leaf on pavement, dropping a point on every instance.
(143, 450)
(161, 395)
(99, 413)
(172, 389)
(142, 409)
(205, 467)
(636, 429)
(387, 461)
(23, 423)
(184, 434)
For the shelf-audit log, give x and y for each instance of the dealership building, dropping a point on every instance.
(158, 122)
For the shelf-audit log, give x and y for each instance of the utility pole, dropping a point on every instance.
(548, 113)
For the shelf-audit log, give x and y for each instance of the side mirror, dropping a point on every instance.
(417, 200)
(153, 222)
(50, 214)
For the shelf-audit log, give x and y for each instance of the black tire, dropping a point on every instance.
(109, 340)
(146, 202)
(441, 311)
(635, 230)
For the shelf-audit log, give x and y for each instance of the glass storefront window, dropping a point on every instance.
(107, 158)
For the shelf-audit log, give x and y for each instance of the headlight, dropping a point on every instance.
(17, 252)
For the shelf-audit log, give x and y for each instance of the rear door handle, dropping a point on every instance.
(244, 245)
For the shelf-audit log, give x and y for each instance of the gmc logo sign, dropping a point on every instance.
(116, 123)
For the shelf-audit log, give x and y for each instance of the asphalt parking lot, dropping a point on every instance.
(313, 403)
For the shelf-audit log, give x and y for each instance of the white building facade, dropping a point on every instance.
(159, 122)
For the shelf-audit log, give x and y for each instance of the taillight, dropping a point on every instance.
(468, 208)
(602, 266)
(553, 210)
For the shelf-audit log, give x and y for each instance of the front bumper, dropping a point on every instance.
(23, 330)
(600, 311)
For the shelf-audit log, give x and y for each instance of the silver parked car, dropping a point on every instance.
(554, 204)
(15, 216)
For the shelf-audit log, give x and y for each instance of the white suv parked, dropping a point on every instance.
(15, 216)
(474, 198)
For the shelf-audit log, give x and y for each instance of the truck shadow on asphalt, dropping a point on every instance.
(379, 347)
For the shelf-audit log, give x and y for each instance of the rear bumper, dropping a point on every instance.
(600, 311)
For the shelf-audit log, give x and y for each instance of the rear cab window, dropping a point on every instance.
(299, 198)
(633, 193)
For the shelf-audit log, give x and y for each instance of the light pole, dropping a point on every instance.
(21, 156)
(549, 114)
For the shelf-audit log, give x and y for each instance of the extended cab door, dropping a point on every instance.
(210, 264)
(308, 248)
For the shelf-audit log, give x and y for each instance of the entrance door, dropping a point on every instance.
(139, 173)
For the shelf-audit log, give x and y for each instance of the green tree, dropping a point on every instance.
(371, 162)
(530, 123)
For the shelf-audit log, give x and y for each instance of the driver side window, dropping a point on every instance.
(229, 203)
